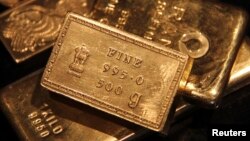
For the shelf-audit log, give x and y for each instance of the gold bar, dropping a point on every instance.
(38, 115)
(240, 72)
(114, 71)
(129, 15)
(193, 27)
(239, 78)
(33, 26)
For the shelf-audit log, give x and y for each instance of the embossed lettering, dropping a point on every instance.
(106, 67)
(126, 58)
(100, 83)
(139, 80)
(32, 115)
(44, 121)
(137, 63)
(118, 90)
(50, 118)
(175, 14)
(109, 87)
(134, 100)
(111, 52)
(119, 55)
(115, 70)
(58, 129)
(46, 113)
(123, 19)
(36, 121)
(53, 122)
(155, 20)
(44, 134)
(110, 8)
(179, 13)
(124, 75)
(40, 128)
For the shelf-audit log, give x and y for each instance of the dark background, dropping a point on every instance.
(234, 110)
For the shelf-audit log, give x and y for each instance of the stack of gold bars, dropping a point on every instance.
(120, 69)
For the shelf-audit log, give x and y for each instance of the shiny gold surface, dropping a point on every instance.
(33, 26)
(240, 72)
(114, 71)
(38, 115)
(10, 3)
(239, 77)
(192, 26)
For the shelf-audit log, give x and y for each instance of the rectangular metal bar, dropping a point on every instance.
(239, 78)
(10, 97)
(90, 124)
(192, 26)
(114, 71)
(131, 17)
(39, 115)
(33, 26)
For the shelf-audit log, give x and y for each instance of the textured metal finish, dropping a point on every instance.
(10, 3)
(208, 31)
(38, 115)
(114, 71)
(33, 26)
(190, 26)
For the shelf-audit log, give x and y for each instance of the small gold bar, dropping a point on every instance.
(38, 115)
(33, 26)
(114, 71)
(191, 26)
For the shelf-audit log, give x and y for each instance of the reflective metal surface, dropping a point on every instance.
(33, 26)
(239, 77)
(192, 26)
(38, 115)
(237, 111)
(240, 73)
(117, 73)
(10, 3)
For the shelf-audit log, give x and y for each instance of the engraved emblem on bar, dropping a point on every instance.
(77, 66)
(33, 26)
(114, 71)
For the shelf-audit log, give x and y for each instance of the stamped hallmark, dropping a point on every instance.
(126, 75)
(126, 58)
(76, 68)
(45, 122)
